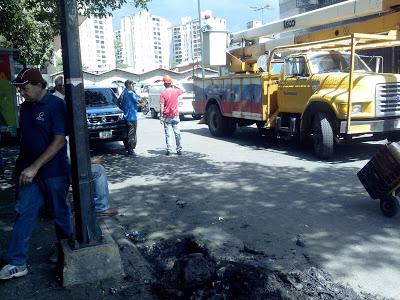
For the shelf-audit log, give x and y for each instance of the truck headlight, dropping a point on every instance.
(355, 108)
(121, 116)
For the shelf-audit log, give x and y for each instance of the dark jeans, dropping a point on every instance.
(130, 141)
(30, 198)
(2, 164)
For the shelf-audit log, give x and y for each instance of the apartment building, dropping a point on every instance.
(186, 45)
(97, 44)
(145, 41)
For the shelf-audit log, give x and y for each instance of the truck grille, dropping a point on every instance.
(387, 97)
(103, 119)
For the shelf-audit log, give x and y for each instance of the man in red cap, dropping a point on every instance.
(169, 114)
(42, 168)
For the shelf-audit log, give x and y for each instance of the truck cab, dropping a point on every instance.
(313, 94)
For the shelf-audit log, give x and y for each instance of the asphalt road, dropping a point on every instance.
(266, 194)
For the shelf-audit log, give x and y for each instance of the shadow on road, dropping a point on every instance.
(250, 137)
(266, 207)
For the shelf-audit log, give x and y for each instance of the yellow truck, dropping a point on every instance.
(320, 91)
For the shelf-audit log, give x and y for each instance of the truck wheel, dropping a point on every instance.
(389, 206)
(230, 126)
(214, 118)
(218, 124)
(322, 134)
(145, 110)
(153, 113)
(393, 137)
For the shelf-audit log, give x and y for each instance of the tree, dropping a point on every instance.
(31, 25)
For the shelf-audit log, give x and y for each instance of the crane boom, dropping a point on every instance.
(347, 10)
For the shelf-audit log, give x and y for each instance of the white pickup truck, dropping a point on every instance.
(184, 101)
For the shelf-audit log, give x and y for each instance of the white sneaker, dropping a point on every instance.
(9, 271)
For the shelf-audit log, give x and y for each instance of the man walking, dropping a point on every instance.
(129, 106)
(42, 168)
(169, 114)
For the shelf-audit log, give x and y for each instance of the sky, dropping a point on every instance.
(237, 13)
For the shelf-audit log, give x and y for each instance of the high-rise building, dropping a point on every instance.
(97, 44)
(293, 7)
(145, 41)
(118, 48)
(186, 45)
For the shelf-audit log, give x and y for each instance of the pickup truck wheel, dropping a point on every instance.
(389, 206)
(322, 134)
(145, 110)
(153, 113)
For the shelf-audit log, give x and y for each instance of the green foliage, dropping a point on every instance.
(31, 25)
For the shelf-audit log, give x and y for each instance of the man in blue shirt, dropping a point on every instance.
(42, 168)
(129, 104)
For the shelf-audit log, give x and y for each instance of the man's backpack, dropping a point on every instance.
(119, 100)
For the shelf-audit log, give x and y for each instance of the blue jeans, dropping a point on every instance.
(30, 198)
(100, 188)
(172, 124)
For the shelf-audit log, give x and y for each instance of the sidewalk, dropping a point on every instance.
(42, 281)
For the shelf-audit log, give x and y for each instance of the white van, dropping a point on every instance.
(184, 101)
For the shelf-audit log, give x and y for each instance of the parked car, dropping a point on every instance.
(184, 101)
(104, 118)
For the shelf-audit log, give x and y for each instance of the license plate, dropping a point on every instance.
(105, 134)
(397, 124)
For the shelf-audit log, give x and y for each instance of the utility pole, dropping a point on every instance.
(86, 229)
(258, 8)
(201, 40)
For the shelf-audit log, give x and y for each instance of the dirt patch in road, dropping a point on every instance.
(185, 270)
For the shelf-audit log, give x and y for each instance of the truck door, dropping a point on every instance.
(295, 88)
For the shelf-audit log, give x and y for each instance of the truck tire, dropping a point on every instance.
(322, 136)
(153, 113)
(389, 206)
(218, 124)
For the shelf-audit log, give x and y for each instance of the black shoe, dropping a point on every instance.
(179, 153)
(131, 153)
(167, 153)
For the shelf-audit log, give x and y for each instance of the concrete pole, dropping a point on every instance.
(86, 229)
(201, 40)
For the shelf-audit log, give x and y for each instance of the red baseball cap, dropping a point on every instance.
(28, 75)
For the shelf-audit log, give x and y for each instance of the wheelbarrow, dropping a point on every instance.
(381, 178)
